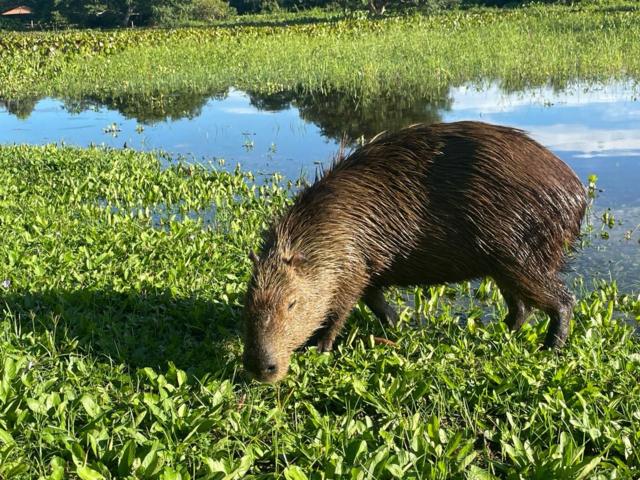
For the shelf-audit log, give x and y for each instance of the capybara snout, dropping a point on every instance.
(426, 205)
(263, 364)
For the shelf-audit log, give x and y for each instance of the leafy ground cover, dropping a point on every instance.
(121, 285)
(528, 46)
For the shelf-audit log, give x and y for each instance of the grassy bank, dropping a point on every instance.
(526, 46)
(121, 285)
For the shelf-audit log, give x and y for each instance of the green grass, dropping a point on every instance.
(120, 308)
(536, 45)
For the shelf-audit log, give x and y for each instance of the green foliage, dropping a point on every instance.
(121, 278)
(210, 9)
(10, 24)
(113, 13)
(193, 12)
(109, 13)
(254, 6)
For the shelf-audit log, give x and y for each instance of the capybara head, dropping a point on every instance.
(280, 313)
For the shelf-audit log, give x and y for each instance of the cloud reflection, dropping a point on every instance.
(588, 141)
(590, 122)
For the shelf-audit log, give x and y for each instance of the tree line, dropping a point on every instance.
(120, 13)
(114, 13)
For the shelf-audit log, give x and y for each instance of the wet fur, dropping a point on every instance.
(426, 205)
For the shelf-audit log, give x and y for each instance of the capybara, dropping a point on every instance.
(426, 205)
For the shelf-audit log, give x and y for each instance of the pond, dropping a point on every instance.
(594, 128)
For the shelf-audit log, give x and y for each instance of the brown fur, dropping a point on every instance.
(426, 205)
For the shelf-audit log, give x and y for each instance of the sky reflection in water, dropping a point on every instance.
(596, 130)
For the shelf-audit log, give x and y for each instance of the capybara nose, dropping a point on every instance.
(269, 370)
(263, 368)
(267, 365)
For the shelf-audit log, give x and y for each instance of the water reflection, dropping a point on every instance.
(22, 108)
(595, 129)
(148, 109)
(340, 115)
(591, 122)
(287, 131)
(337, 114)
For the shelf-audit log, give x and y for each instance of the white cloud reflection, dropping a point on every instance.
(609, 129)
(245, 111)
(492, 99)
(589, 141)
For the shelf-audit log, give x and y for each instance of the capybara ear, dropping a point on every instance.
(254, 258)
(296, 260)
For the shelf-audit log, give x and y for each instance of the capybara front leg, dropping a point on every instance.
(335, 321)
(329, 333)
(374, 299)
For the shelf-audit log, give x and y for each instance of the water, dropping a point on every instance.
(595, 129)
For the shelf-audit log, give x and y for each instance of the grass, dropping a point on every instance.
(121, 286)
(122, 276)
(535, 45)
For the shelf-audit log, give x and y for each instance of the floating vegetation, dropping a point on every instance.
(112, 129)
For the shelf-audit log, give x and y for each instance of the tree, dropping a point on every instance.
(210, 9)
(111, 13)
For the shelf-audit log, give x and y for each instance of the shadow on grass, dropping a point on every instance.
(281, 22)
(238, 21)
(137, 329)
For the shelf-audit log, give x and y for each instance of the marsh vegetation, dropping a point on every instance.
(122, 287)
(537, 45)
(122, 273)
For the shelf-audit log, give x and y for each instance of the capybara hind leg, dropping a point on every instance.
(560, 317)
(555, 300)
(518, 312)
(374, 299)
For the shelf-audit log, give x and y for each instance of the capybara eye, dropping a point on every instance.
(292, 304)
